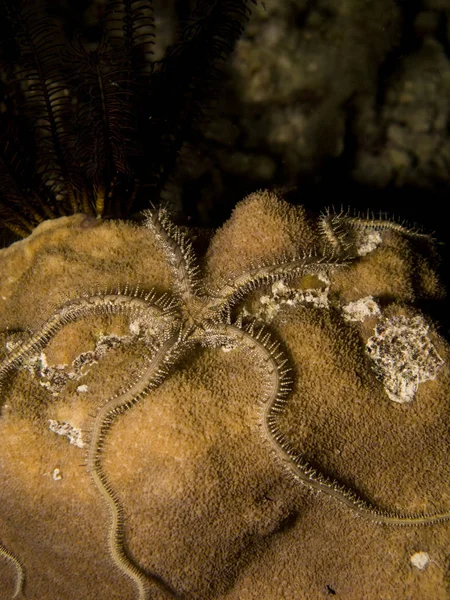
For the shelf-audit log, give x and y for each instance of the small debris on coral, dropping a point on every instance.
(67, 430)
(55, 378)
(56, 475)
(420, 560)
(361, 309)
(367, 241)
(284, 296)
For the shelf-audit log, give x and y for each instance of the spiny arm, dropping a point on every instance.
(127, 302)
(277, 370)
(179, 252)
(155, 371)
(229, 294)
(340, 229)
(20, 571)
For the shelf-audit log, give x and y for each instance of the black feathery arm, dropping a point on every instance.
(129, 26)
(45, 100)
(105, 122)
(24, 199)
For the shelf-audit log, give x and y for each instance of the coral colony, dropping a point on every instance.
(194, 314)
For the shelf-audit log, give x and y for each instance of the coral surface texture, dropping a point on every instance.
(258, 414)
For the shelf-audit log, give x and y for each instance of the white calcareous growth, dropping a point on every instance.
(73, 434)
(361, 309)
(420, 560)
(284, 296)
(403, 356)
(56, 475)
(367, 242)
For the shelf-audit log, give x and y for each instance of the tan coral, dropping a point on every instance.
(209, 510)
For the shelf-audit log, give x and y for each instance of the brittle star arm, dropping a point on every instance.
(152, 375)
(337, 227)
(20, 571)
(230, 293)
(147, 306)
(279, 384)
(179, 251)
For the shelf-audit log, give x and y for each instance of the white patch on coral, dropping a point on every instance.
(55, 378)
(36, 361)
(316, 297)
(74, 435)
(82, 389)
(367, 241)
(361, 309)
(228, 348)
(283, 295)
(420, 560)
(279, 287)
(403, 355)
(135, 327)
(56, 475)
(324, 278)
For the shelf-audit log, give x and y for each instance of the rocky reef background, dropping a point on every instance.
(335, 100)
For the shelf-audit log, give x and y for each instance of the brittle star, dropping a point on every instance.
(190, 316)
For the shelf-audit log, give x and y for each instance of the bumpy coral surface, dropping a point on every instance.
(217, 496)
